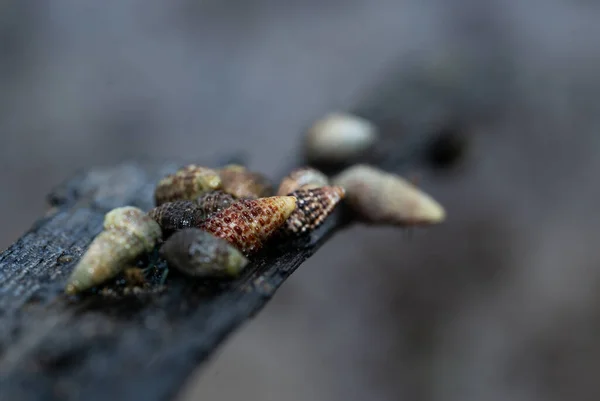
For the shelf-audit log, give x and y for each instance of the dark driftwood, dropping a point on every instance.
(130, 347)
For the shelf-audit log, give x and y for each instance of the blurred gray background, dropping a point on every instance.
(499, 303)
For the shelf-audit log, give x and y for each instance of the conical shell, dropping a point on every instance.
(128, 234)
(248, 223)
(198, 253)
(312, 208)
(378, 197)
(244, 184)
(174, 216)
(339, 138)
(302, 178)
(186, 184)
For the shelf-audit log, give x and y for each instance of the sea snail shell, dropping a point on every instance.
(312, 208)
(381, 198)
(187, 183)
(248, 223)
(174, 216)
(302, 178)
(198, 253)
(339, 138)
(128, 233)
(244, 184)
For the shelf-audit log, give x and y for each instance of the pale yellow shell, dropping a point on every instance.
(135, 221)
(128, 233)
(378, 197)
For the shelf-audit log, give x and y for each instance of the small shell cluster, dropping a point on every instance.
(197, 253)
(380, 198)
(339, 138)
(187, 183)
(212, 221)
(128, 233)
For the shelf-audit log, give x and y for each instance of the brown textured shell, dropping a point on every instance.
(186, 184)
(242, 183)
(213, 202)
(312, 208)
(302, 178)
(174, 216)
(378, 197)
(248, 223)
(198, 253)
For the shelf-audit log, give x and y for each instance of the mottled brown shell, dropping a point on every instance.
(198, 253)
(378, 197)
(244, 184)
(213, 202)
(302, 178)
(128, 234)
(312, 208)
(248, 223)
(187, 183)
(174, 216)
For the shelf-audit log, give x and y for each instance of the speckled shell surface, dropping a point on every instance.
(187, 183)
(302, 178)
(378, 197)
(174, 216)
(136, 222)
(244, 184)
(198, 253)
(248, 223)
(312, 208)
(215, 201)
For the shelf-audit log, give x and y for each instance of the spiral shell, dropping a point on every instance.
(248, 223)
(378, 197)
(186, 184)
(174, 216)
(302, 178)
(198, 253)
(128, 233)
(312, 208)
(244, 184)
(339, 138)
